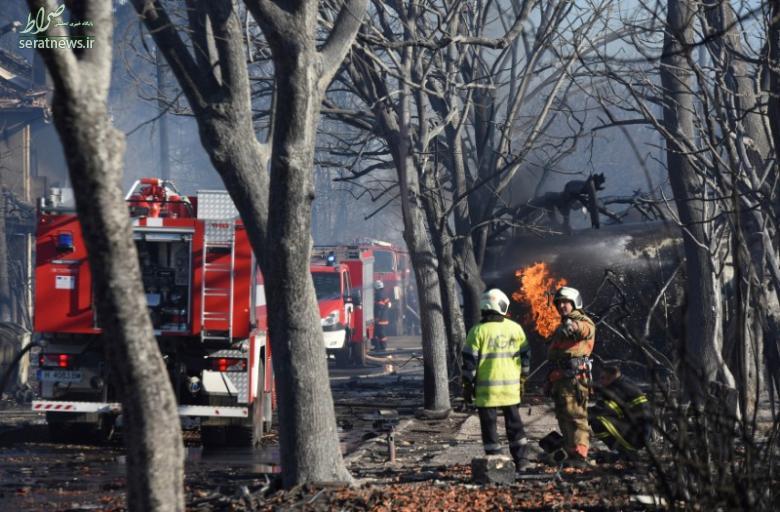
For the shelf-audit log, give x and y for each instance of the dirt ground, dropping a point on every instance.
(431, 470)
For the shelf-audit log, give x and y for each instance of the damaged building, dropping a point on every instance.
(31, 161)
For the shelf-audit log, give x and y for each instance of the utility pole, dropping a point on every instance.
(162, 105)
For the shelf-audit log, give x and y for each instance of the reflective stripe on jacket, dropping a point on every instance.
(492, 360)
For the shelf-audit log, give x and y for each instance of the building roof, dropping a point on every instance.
(16, 85)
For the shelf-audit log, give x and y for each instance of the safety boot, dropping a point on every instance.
(522, 467)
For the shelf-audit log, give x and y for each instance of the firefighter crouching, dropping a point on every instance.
(496, 355)
(621, 417)
(382, 307)
(569, 378)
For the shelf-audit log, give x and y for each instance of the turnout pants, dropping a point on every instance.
(515, 432)
(571, 402)
(619, 434)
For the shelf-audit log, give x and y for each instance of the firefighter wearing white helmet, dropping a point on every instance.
(382, 307)
(496, 355)
(568, 356)
(570, 294)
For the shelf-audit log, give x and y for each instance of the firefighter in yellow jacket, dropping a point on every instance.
(495, 358)
(568, 355)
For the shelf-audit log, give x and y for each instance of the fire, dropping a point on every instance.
(536, 288)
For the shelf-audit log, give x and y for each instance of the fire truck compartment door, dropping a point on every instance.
(231, 384)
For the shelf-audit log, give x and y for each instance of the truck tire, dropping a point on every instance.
(213, 437)
(238, 436)
(59, 432)
(359, 353)
(63, 431)
(342, 357)
(343, 354)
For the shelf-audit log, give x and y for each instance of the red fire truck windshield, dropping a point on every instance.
(327, 285)
(383, 261)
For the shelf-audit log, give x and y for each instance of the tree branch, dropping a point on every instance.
(340, 40)
(197, 83)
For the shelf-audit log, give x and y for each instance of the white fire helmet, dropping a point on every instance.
(378, 285)
(494, 300)
(570, 294)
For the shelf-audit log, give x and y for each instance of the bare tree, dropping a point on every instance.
(94, 150)
(484, 95)
(277, 212)
(703, 310)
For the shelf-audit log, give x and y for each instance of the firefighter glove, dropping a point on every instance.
(468, 391)
(568, 328)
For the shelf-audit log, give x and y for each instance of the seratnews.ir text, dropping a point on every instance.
(65, 43)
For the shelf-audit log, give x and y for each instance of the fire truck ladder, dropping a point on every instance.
(216, 301)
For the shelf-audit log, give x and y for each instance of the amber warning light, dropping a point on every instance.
(536, 290)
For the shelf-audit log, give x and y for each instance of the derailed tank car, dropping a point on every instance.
(625, 274)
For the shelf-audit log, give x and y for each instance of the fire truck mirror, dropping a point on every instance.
(355, 297)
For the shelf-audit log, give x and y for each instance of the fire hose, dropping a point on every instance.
(12, 365)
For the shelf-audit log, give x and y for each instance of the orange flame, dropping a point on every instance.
(537, 287)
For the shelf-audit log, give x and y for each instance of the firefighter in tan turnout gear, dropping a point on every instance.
(495, 358)
(382, 307)
(568, 355)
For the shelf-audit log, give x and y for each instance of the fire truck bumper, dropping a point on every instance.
(335, 339)
(116, 408)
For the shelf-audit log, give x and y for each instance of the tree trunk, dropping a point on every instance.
(5, 275)
(307, 423)
(442, 243)
(436, 397)
(700, 350)
(468, 269)
(220, 97)
(394, 124)
(94, 151)
(435, 391)
(748, 151)
(774, 79)
(307, 427)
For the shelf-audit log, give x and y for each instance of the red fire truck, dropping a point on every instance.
(343, 284)
(391, 266)
(197, 269)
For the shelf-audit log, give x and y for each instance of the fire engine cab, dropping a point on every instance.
(197, 268)
(343, 284)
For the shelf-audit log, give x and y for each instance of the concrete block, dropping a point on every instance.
(493, 469)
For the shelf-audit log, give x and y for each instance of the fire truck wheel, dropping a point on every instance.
(342, 356)
(359, 353)
(88, 433)
(238, 436)
(213, 437)
(59, 432)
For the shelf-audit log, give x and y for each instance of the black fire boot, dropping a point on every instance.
(522, 467)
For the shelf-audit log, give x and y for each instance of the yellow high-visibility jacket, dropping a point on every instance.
(493, 357)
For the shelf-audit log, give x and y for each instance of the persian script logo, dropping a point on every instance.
(34, 33)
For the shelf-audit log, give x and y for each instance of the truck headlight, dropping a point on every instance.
(330, 322)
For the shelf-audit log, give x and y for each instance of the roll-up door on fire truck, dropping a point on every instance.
(63, 283)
